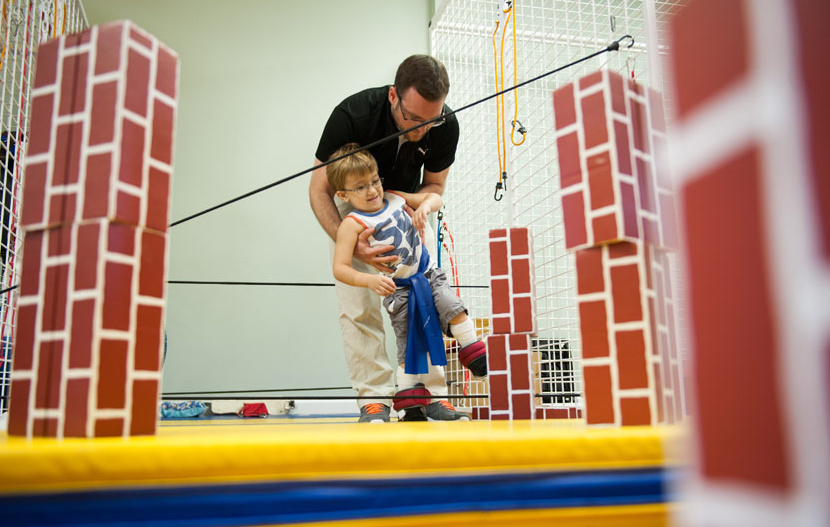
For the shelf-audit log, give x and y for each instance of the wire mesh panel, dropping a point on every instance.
(475, 40)
(25, 24)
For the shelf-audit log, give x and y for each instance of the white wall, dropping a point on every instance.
(258, 81)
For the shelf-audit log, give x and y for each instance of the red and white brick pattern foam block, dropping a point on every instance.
(483, 413)
(510, 377)
(750, 151)
(611, 142)
(95, 212)
(626, 380)
(512, 281)
(102, 125)
(89, 334)
(558, 413)
(663, 307)
(610, 135)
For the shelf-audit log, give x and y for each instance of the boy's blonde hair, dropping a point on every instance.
(358, 163)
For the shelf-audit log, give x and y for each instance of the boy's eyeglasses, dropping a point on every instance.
(362, 190)
(421, 122)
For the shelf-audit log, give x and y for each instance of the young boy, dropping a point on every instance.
(415, 290)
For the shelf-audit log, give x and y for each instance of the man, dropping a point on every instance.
(417, 161)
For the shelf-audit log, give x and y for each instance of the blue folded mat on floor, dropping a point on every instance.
(182, 409)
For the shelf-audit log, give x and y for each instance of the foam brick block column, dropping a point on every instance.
(610, 135)
(751, 141)
(509, 349)
(510, 377)
(625, 377)
(618, 215)
(95, 211)
(512, 281)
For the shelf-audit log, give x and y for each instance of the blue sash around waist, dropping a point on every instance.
(423, 331)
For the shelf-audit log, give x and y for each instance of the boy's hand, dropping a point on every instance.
(419, 218)
(382, 285)
(412, 212)
(373, 255)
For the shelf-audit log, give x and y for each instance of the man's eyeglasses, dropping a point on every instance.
(362, 190)
(421, 122)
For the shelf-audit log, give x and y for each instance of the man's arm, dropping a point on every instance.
(347, 236)
(321, 198)
(434, 181)
(422, 204)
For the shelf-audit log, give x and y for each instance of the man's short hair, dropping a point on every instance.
(424, 73)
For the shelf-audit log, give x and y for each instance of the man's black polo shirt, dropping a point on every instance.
(365, 117)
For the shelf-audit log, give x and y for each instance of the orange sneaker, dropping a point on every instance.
(374, 413)
(444, 411)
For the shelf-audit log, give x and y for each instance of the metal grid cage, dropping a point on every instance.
(24, 25)
(474, 39)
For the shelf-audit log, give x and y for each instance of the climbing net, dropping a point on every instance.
(23, 25)
(506, 170)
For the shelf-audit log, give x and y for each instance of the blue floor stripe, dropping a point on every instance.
(313, 501)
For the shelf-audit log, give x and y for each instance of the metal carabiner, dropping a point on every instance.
(500, 186)
(522, 130)
(615, 46)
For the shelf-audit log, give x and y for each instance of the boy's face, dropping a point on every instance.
(363, 191)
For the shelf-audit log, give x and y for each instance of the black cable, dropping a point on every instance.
(315, 398)
(259, 391)
(235, 394)
(614, 46)
(195, 396)
(301, 284)
(206, 282)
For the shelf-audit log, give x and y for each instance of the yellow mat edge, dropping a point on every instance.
(323, 452)
(645, 515)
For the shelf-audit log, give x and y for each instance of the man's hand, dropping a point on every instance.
(381, 284)
(373, 255)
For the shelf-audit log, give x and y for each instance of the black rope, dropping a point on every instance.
(289, 284)
(206, 282)
(317, 398)
(220, 392)
(300, 284)
(226, 395)
(614, 46)
(194, 396)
